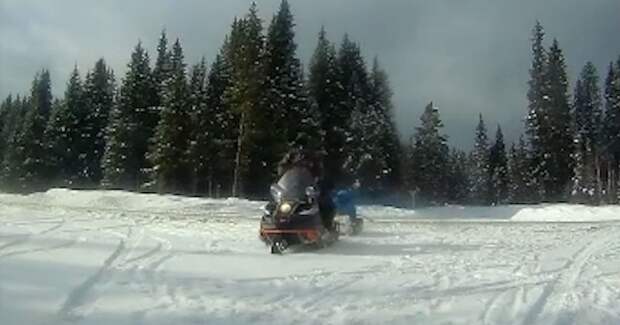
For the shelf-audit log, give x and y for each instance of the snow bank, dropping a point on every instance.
(232, 207)
(122, 202)
(517, 213)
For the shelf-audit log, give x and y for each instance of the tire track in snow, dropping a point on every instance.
(566, 281)
(26, 237)
(78, 296)
(125, 268)
(147, 274)
(509, 301)
(498, 303)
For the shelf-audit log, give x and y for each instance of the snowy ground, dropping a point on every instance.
(118, 258)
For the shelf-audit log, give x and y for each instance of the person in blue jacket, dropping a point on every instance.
(344, 200)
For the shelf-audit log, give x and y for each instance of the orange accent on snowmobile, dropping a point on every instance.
(310, 234)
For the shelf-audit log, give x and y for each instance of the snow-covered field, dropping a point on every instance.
(70, 257)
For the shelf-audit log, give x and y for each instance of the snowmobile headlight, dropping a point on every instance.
(286, 208)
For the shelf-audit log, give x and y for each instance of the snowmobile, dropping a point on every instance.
(293, 216)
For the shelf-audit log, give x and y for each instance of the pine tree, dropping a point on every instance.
(353, 102)
(162, 70)
(6, 111)
(130, 127)
(611, 132)
(63, 136)
(587, 103)
(225, 122)
(324, 89)
(31, 150)
(283, 103)
(365, 158)
(246, 50)
(537, 97)
(429, 159)
(389, 143)
(11, 165)
(169, 148)
(118, 164)
(523, 187)
(458, 182)
(99, 89)
(372, 148)
(283, 97)
(556, 134)
(584, 180)
(201, 148)
(498, 163)
(480, 173)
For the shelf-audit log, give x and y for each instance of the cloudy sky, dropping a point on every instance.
(468, 56)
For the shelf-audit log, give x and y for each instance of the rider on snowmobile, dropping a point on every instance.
(344, 200)
(302, 154)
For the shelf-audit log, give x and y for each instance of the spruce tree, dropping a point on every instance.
(6, 111)
(480, 174)
(365, 158)
(556, 134)
(283, 98)
(353, 102)
(31, 151)
(587, 103)
(130, 127)
(201, 149)
(429, 159)
(283, 101)
(498, 163)
(389, 143)
(99, 90)
(57, 143)
(11, 166)
(246, 50)
(523, 187)
(537, 97)
(170, 143)
(372, 147)
(64, 136)
(458, 182)
(611, 132)
(162, 70)
(584, 188)
(225, 122)
(324, 89)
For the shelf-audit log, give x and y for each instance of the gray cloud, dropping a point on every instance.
(466, 56)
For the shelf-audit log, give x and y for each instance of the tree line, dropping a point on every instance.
(570, 151)
(217, 130)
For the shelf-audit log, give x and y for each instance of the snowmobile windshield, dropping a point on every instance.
(294, 183)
